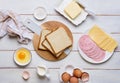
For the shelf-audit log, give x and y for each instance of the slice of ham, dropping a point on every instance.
(91, 49)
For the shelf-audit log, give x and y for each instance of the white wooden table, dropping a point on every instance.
(107, 16)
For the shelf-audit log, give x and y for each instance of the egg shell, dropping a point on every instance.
(26, 75)
(74, 80)
(85, 77)
(66, 77)
(77, 73)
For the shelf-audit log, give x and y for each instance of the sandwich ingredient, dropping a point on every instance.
(78, 76)
(77, 73)
(74, 80)
(91, 49)
(59, 40)
(42, 38)
(22, 56)
(103, 40)
(73, 9)
(66, 77)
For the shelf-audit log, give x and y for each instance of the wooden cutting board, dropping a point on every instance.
(51, 25)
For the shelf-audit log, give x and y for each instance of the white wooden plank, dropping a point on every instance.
(74, 58)
(96, 76)
(98, 6)
(107, 7)
(77, 36)
(7, 43)
(15, 76)
(107, 72)
(104, 76)
(109, 23)
(27, 6)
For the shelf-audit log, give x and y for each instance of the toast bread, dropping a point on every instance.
(46, 45)
(59, 40)
(42, 38)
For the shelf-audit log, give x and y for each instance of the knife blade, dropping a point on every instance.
(85, 8)
(32, 26)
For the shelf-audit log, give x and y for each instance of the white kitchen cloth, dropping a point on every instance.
(11, 24)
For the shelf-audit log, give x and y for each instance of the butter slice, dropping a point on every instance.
(103, 40)
(73, 9)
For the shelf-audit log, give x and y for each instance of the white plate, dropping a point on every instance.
(76, 21)
(85, 57)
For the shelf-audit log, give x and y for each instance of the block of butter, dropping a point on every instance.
(73, 9)
(103, 40)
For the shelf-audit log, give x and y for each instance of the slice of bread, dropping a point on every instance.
(46, 44)
(42, 38)
(59, 40)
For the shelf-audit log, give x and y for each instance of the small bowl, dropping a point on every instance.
(22, 64)
(40, 13)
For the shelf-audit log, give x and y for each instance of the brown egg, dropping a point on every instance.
(74, 80)
(77, 73)
(85, 77)
(66, 77)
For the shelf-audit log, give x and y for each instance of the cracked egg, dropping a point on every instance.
(22, 56)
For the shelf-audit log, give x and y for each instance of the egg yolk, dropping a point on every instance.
(21, 55)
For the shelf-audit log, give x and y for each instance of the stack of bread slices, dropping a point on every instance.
(54, 41)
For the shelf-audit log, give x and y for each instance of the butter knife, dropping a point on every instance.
(85, 8)
(32, 26)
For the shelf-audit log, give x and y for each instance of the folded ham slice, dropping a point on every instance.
(90, 48)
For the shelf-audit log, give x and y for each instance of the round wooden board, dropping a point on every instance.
(51, 25)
